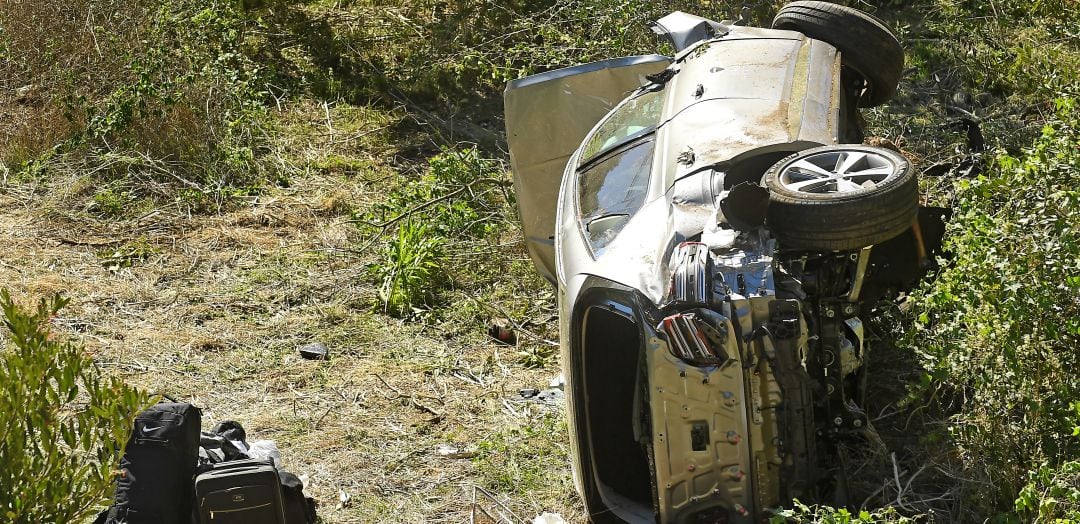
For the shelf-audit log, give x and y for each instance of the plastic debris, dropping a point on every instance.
(265, 450)
(315, 351)
(453, 452)
(549, 518)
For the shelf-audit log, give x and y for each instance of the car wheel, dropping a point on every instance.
(865, 44)
(841, 197)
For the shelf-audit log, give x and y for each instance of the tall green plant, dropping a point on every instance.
(410, 269)
(61, 421)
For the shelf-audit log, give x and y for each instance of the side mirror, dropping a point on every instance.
(683, 30)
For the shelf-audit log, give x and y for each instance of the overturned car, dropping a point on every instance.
(717, 238)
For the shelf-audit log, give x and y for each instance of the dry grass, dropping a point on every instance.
(211, 309)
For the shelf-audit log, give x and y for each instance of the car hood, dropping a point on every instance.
(741, 95)
(752, 94)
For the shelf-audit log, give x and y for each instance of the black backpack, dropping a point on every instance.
(156, 471)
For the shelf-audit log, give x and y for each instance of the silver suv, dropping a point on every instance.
(716, 239)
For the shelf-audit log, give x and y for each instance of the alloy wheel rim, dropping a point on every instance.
(837, 172)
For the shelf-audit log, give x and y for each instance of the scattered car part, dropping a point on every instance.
(502, 331)
(314, 351)
(683, 29)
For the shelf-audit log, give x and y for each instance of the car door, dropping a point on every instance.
(547, 117)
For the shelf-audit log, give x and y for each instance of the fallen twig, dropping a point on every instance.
(429, 203)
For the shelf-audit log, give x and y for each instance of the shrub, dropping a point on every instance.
(999, 328)
(161, 93)
(62, 421)
(459, 54)
(458, 196)
(1052, 495)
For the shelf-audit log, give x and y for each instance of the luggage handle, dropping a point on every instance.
(243, 463)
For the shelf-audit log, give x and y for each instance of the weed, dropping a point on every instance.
(802, 514)
(341, 165)
(518, 460)
(538, 355)
(1052, 495)
(170, 97)
(1000, 325)
(410, 270)
(459, 196)
(127, 255)
(112, 200)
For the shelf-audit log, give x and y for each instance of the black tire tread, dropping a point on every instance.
(846, 221)
(865, 43)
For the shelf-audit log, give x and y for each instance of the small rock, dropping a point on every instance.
(315, 351)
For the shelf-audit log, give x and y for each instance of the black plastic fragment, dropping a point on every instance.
(315, 351)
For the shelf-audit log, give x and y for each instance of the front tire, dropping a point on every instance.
(839, 198)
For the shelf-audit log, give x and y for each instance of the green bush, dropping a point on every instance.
(459, 195)
(461, 198)
(998, 329)
(164, 94)
(61, 421)
(1052, 495)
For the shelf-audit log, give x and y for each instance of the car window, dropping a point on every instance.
(611, 190)
(632, 119)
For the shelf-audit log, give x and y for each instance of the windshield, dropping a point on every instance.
(634, 118)
(611, 190)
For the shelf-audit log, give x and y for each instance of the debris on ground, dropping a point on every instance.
(548, 518)
(314, 351)
(502, 330)
(552, 396)
(453, 452)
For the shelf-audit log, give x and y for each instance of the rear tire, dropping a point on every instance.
(840, 198)
(865, 44)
